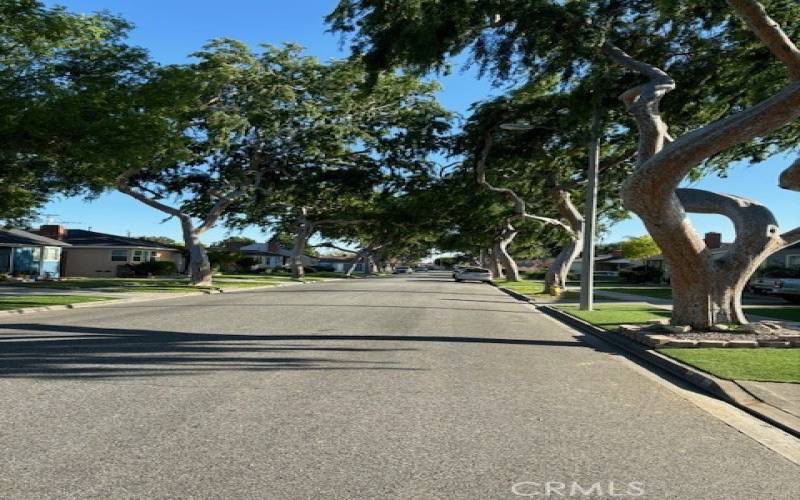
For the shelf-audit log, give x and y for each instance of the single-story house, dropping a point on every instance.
(788, 258)
(93, 254)
(340, 264)
(610, 264)
(23, 253)
(271, 255)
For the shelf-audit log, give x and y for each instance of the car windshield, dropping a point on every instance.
(476, 270)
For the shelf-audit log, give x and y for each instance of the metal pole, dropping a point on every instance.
(590, 219)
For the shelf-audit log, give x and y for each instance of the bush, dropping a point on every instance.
(152, 268)
(245, 263)
(779, 272)
(535, 275)
(641, 274)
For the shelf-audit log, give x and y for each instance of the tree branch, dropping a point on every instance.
(643, 102)
(769, 32)
(519, 203)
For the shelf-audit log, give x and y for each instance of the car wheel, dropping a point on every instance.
(459, 281)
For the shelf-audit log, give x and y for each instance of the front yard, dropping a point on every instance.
(12, 302)
(167, 285)
(763, 364)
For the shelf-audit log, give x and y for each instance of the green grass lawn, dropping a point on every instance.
(610, 316)
(654, 292)
(787, 313)
(22, 301)
(535, 289)
(113, 284)
(762, 364)
(169, 285)
(525, 287)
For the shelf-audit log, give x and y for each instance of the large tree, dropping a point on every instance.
(65, 83)
(708, 291)
(720, 68)
(338, 147)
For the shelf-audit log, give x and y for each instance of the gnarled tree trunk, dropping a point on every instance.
(501, 251)
(494, 263)
(557, 273)
(199, 266)
(706, 291)
(301, 236)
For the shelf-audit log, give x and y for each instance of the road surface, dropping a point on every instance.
(403, 387)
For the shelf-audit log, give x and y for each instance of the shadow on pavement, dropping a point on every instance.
(58, 351)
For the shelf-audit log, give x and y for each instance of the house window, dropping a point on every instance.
(143, 256)
(52, 254)
(793, 260)
(119, 255)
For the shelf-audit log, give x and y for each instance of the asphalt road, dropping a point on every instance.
(405, 387)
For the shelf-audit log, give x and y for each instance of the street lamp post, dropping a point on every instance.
(589, 214)
(589, 222)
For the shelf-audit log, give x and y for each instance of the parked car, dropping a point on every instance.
(402, 270)
(763, 285)
(788, 289)
(472, 274)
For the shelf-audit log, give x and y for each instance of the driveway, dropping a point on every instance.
(402, 387)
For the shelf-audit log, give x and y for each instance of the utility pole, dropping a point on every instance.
(590, 221)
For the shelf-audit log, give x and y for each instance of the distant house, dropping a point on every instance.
(28, 254)
(788, 258)
(271, 255)
(609, 264)
(93, 254)
(340, 264)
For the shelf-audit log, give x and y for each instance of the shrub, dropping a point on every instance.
(779, 272)
(535, 275)
(152, 268)
(245, 263)
(641, 274)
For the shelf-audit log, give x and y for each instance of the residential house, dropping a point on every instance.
(23, 253)
(93, 254)
(339, 264)
(271, 255)
(788, 258)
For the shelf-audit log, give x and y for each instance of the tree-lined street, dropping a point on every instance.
(403, 387)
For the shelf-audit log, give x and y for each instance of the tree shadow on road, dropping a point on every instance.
(32, 350)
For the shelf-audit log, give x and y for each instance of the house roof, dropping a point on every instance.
(17, 237)
(336, 258)
(262, 249)
(84, 238)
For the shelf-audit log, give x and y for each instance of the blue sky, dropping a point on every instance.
(172, 29)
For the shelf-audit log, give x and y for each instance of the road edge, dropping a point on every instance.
(727, 390)
(166, 296)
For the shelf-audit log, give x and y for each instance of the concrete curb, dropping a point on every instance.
(727, 390)
(82, 305)
(165, 296)
(514, 294)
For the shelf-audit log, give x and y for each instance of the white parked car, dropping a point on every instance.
(472, 274)
(402, 270)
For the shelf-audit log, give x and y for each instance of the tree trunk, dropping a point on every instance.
(558, 271)
(501, 251)
(298, 251)
(494, 263)
(705, 291)
(353, 266)
(199, 265)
